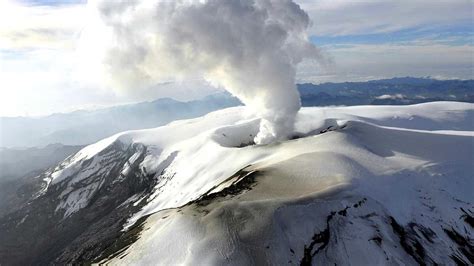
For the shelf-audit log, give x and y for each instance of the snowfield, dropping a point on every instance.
(364, 185)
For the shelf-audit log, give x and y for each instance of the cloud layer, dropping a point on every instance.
(352, 17)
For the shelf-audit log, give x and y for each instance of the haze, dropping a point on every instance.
(43, 71)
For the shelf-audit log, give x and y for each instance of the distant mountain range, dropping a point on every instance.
(395, 91)
(84, 127)
(19, 167)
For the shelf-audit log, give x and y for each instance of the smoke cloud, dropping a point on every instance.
(249, 47)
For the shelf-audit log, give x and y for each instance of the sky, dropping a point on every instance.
(43, 71)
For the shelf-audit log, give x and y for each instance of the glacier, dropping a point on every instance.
(385, 185)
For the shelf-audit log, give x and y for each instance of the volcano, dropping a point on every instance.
(364, 185)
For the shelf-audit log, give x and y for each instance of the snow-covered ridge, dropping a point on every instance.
(361, 185)
(199, 153)
(368, 185)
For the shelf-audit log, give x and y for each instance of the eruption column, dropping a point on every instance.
(249, 47)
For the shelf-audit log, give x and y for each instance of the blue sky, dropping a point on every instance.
(362, 40)
(461, 34)
(369, 39)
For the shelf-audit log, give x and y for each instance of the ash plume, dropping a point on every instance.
(249, 47)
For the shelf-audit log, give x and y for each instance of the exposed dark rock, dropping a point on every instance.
(245, 144)
(244, 180)
(323, 237)
(318, 238)
(464, 245)
(122, 242)
(410, 243)
(376, 239)
(40, 234)
(467, 217)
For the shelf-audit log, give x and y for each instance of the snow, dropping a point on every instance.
(414, 163)
(389, 96)
(76, 199)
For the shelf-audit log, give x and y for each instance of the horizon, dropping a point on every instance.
(43, 72)
(236, 132)
(123, 104)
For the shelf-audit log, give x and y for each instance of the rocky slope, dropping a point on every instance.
(356, 185)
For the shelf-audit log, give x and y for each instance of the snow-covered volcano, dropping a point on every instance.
(366, 185)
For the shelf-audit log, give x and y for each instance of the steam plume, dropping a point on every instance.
(249, 47)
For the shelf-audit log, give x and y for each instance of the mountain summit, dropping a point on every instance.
(355, 185)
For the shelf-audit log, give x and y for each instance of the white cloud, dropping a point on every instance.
(350, 17)
(35, 26)
(38, 52)
(373, 61)
(42, 64)
(44, 81)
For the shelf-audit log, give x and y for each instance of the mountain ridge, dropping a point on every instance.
(85, 127)
(364, 184)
